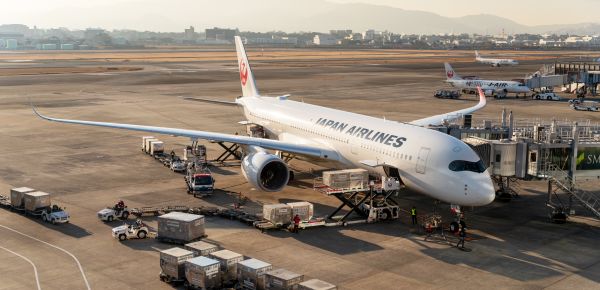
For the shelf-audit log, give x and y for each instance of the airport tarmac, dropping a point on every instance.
(86, 169)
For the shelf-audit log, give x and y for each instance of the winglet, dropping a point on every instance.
(35, 111)
(482, 98)
(442, 118)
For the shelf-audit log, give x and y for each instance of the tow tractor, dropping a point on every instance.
(55, 214)
(116, 212)
(177, 165)
(134, 231)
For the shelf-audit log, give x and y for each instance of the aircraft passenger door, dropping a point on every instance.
(422, 160)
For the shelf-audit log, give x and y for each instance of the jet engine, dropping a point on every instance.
(265, 171)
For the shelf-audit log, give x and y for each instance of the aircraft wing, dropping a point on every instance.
(212, 101)
(440, 119)
(303, 149)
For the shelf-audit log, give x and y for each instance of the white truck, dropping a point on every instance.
(133, 231)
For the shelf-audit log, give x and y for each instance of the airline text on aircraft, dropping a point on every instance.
(490, 84)
(364, 133)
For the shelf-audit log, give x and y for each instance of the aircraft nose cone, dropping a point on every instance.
(486, 192)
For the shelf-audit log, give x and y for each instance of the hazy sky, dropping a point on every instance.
(173, 15)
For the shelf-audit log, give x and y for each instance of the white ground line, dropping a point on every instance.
(37, 279)
(58, 248)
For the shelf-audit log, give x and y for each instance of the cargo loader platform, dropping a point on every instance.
(370, 204)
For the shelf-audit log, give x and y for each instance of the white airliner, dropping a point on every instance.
(490, 88)
(425, 160)
(495, 61)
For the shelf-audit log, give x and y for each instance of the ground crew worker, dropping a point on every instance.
(462, 234)
(413, 215)
(296, 223)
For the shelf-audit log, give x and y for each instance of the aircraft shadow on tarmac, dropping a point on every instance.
(526, 246)
(220, 170)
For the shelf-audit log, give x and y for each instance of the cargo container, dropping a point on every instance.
(251, 273)
(202, 273)
(282, 279)
(278, 214)
(180, 228)
(172, 264)
(201, 248)
(147, 144)
(36, 200)
(303, 209)
(316, 284)
(16, 196)
(144, 140)
(157, 147)
(348, 178)
(228, 260)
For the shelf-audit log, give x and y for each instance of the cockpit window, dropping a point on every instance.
(461, 165)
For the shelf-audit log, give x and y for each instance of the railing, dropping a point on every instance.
(562, 179)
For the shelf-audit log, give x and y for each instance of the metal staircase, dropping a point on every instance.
(562, 181)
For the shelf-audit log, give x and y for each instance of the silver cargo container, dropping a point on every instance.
(36, 200)
(172, 262)
(251, 273)
(278, 214)
(304, 209)
(144, 138)
(316, 284)
(282, 279)
(157, 147)
(180, 227)
(201, 248)
(203, 273)
(16, 195)
(228, 260)
(147, 144)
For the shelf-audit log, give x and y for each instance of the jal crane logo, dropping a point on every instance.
(450, 74)
(243, 73)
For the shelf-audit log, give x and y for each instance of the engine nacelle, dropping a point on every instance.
(265, 171)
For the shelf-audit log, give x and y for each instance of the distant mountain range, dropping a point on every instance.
(288, 16)
(292, 16)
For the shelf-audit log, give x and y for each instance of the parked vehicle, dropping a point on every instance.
(447, 94)
(550, 96)
(178, 165)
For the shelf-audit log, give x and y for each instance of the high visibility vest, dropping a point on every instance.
(413, 211)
